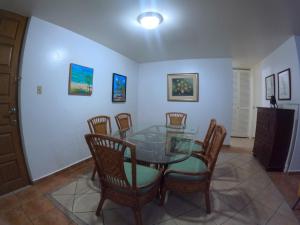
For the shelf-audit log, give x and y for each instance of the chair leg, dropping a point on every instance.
(94, 173)
(138, 216)
(296, 203)
(162, 196)
(100, 206)
(207, 202)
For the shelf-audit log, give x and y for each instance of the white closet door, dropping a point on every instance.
(241, 103)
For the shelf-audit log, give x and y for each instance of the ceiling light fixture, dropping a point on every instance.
(150, 20)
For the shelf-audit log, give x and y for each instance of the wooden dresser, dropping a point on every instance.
(272, 138)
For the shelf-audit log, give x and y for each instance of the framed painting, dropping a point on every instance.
(177, 144)
(284, 85)
(119, 88)
(183, 87)
(80, 80)
(270, 86)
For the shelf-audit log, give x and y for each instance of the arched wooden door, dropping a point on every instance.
(13, 170)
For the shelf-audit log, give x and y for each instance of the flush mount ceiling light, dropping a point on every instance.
(150, 20)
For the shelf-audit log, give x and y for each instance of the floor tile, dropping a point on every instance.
(176, 205)
(86, 202)
(90, 218)
(236, 198)
(52, 217)
(151, 214)
(285, 210)
(66, 190)
(197, 216)
(28, 193)
(279, 219)
(119, 216)
(168, 222)
(86, 186)
(241, 193)
(254, 213)
(37, 206)
(14, 217)
(8, 202)
(270, 197)
(66, 201)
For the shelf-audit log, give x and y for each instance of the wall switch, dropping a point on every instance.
(39, 89)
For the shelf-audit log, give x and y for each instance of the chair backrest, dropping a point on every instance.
(123, 121)
(176, 118)
(215, 146)
(100, 125)
(108, 153)
(209, 133)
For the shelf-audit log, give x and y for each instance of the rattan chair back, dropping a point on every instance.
(100, 125)
(209, 133)
(123, 121)
(215, 146)
(108, 153)
(176, 119)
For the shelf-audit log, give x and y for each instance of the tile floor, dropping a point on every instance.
(242, 144)
(241, 193)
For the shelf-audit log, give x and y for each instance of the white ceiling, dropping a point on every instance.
(247, 30)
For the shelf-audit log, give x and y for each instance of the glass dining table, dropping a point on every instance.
(160, 144)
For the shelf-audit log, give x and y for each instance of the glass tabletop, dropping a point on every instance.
(161, 144)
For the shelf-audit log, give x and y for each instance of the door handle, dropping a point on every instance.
(12, 110)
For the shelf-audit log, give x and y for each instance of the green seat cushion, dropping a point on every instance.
(144, 175)
(127, 153)
(197, 147)
(190, 165)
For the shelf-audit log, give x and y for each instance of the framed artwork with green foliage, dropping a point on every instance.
(183, 87)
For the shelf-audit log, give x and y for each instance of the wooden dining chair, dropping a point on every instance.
(176, 119)
(123, 121)
(201, 146)
(125, 183)
(99, 125)
(194, 174)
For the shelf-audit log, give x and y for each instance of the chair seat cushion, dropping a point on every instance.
(190, 165)
(144, 175)
(197, 147)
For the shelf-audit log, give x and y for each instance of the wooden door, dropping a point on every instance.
(241, 103)
(13, 171)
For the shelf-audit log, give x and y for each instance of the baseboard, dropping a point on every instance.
(294, 172)
(77, 163)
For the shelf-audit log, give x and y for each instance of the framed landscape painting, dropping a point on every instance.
(119, 88)
(183, 87)
(80, 80)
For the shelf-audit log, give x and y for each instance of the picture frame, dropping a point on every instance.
(284, 85)
(270, 86)
(177, 144)
(80, 80)
(119, 83)
(183, 87)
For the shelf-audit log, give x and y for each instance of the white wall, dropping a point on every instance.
(215, 92)
(284, 57)
(54, 123)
